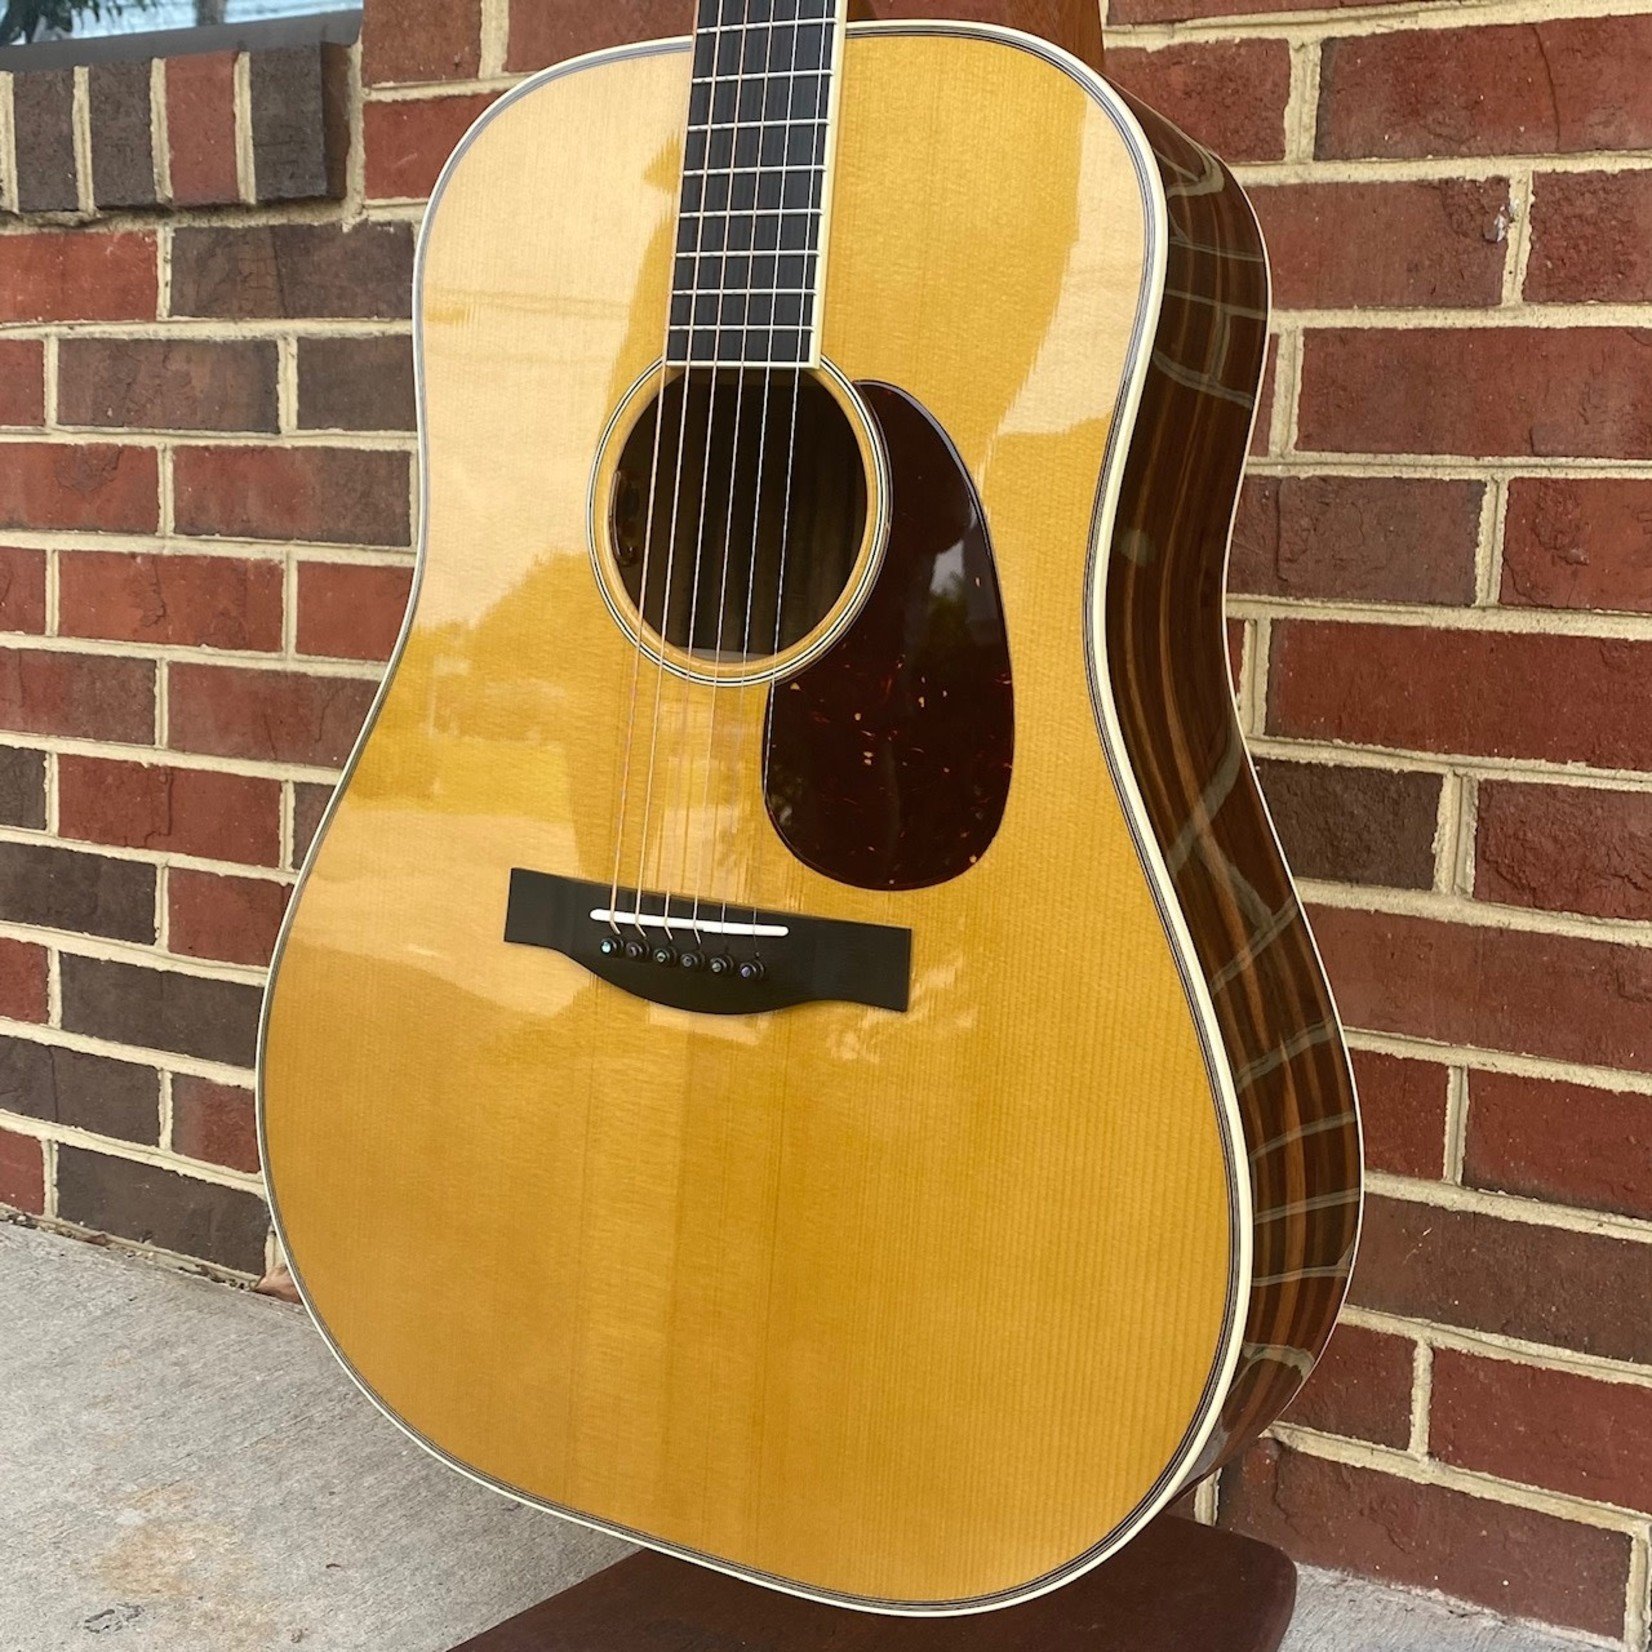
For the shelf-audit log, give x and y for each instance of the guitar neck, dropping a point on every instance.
(756, 183)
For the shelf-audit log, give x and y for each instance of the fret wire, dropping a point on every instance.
(761, 124)
(793, 213)
(773, 25)
(787, 327)
(715, 79)
(756, 171)
(751, 292)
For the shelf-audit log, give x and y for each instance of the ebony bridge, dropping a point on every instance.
(711, 957)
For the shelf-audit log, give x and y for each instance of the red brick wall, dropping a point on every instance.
(1443, 573)
(1442, 603)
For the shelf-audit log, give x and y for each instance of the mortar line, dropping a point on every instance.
(80, 119)
(1506, 1350)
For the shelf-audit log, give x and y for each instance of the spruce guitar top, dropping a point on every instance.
(796, 1042)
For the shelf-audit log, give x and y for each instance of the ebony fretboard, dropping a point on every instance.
(754, 182)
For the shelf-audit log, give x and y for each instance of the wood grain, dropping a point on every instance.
(1178, 1586)
(1169, 660)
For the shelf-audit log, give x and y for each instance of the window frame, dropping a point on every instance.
(337, 26)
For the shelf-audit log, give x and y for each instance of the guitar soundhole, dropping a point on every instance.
(759, 498)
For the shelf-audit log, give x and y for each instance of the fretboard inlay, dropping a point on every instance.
(744, 289)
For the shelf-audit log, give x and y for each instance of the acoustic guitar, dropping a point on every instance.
(797, 1044)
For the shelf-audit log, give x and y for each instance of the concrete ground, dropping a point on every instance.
(185, 1467)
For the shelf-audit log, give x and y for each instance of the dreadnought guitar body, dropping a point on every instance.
(796, 1043)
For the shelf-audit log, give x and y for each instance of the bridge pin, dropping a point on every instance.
(635, 951)
(665, 954)
(752, 970)
(719, 963)
(692, 960)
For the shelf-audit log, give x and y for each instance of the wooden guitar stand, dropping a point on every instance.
(1178, 1587)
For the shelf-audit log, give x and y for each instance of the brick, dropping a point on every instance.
(58, 888)
(43, 105)
(350, 612)
(198, 601)
(550, 31)
(1591, 238)
(1568, 1144)
(408, 142)
(1581, 392)
(309, 805)
(1513, 1560)
(422, 40)
(84, 1092)
(77, 275)
(226, 1225)
(1564, 849)
(123, 151)
(298, 153)
(232, 919)
(1554, 1429)
(22, 981)
(271, 716)
(293, 271)
(200, 812)
(91, 486)
(356, 384)
(1438, 242)
(340, 495)
(1357, 538)
(1402, 1105)
(1522, 89)
(215, 1123)
(1230, 95)
(22, 1173)
(1574, 542)
(1360, 1389)
(200, 120)
(1493, 989)
(1356, 825)
(22, 590)
(161, 1009)
(1180, 11)
(83, 696)
(1583, 1291)
(1403, 686)
(22, 787)
(167, 384)
(22, 381)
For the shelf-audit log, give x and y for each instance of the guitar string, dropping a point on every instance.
(639, 647)
(758, 488)
(677, 497)
(832, 68)
(685, 695)
(711, 797)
